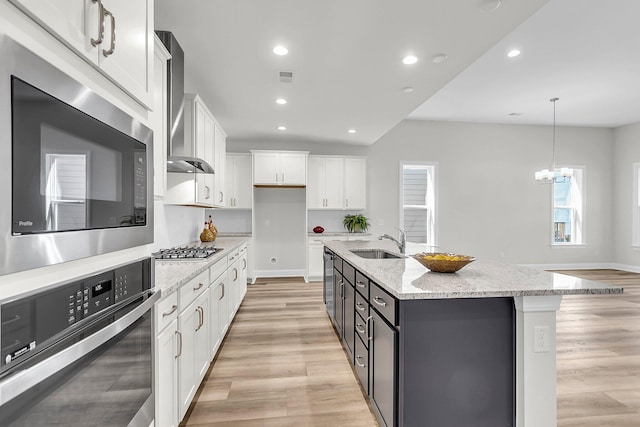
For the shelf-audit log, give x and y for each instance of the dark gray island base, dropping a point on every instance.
(437, 350)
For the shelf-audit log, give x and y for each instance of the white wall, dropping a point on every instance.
(626, 152)
(489, 204)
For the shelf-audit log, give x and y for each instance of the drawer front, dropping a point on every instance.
(233, 256)
(166, 311)
(337, 263)
(361, 329)
(217, 269)
(362, 364)
(362, 284)
(192, 289)
(349, 273)
(384, 303)
(362, 306)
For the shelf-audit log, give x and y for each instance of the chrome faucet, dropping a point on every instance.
(402, 244)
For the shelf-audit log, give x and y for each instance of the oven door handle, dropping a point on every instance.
(21, 381)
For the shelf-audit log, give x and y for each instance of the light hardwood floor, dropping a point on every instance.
(282, 365)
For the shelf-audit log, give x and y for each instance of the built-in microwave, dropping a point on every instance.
(75, 173)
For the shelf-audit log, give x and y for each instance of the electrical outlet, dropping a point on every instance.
(540, 339)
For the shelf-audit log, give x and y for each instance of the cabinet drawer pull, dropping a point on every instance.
(200, 285)
(358, 357)
(362, 331)
(112, 47)
(169, 313)
(360, 284)
(380, 301)
(100, 39)
(360, 307)
(179, 334)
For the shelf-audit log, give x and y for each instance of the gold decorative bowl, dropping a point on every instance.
(443, 262)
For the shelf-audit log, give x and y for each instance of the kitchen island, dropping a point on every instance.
(475, 348)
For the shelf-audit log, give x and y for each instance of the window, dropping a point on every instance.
(568, 209)
(635, 226)
(417, 202)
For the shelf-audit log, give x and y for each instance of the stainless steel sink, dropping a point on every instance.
(375, 254)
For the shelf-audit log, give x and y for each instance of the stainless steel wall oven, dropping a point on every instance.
(80, 353)
(76, 179)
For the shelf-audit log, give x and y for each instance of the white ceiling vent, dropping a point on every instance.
(286, 76)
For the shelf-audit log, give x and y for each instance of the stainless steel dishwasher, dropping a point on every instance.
(80, 353)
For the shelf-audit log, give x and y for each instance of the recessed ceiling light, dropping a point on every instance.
(351, 131)
(281, 101)
(439, 58)
(282, 128)
(489, 5)
(513, 53)
(407, 89)
(280, 50)
(410, 60)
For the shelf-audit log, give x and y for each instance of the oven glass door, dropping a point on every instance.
(109, 386)
(70, 170)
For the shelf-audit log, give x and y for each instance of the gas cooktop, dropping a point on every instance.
(186, 253)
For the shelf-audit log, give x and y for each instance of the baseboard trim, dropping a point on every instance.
(278, 273)
(584, 266)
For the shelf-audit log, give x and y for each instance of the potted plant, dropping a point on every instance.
(356, 223)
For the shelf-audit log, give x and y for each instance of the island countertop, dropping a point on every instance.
(407, 279)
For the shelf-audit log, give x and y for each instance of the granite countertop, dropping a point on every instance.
(407, 279)
(170, 275)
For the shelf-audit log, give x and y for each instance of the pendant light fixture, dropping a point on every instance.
(548, 176)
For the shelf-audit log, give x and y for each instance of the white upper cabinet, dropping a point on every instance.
(238, 181)
(220, 166)
(325, 183)
(355, 183)
(159, 119)
(336, 182)
(114, 36)
(280, 168)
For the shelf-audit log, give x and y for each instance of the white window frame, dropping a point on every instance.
(635, 213)
(432, 216)
(578, 209)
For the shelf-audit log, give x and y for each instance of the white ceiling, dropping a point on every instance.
(346, 59)
(585, 52)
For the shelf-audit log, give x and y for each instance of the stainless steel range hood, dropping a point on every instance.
(179, 156)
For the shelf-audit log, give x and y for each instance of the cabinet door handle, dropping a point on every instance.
(358, 357)
(100, 39)
(179, 334)
(380, 301)
(200, 318)
(200, 285)
(369, 336)
(222, 295)
(208, 192)
(362, 331)
(112, 47)
(169, 313)
(221, 196)
(360, 284)
(244, 263)
(276, 176)
(283, 177)
(360, 307)
(346, 201)
(235, 270)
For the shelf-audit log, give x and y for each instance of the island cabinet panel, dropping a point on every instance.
(457, 362)
(383, 369)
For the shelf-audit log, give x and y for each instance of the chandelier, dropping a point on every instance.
(549, 176)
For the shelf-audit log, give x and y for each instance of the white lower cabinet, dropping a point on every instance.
(191, 324)
(315, 261)
(167, 353)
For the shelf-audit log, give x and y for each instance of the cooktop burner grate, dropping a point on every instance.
(186, 253)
